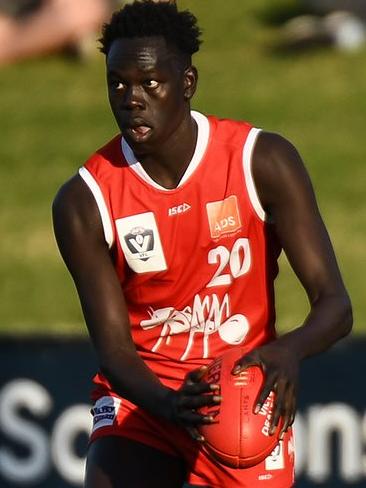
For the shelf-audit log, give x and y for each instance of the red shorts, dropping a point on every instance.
(114, 416)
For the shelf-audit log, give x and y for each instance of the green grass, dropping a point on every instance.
(54, 113)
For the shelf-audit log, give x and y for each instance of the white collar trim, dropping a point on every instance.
(203, 135)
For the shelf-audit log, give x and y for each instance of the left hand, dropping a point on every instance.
(281, 370)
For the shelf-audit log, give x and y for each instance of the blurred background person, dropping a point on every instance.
(35, 27)
(336, 23)
(357, 7)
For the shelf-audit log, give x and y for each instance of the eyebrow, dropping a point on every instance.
(114, 72)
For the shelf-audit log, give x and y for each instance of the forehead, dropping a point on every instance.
(143, 53)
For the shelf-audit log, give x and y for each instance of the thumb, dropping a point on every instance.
(244, 363)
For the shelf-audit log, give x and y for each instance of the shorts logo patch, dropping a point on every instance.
(276, 459)
(105, 411)
(140, 241)
(223, 216)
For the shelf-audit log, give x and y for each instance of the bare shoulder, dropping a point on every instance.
(274, 154)
(72, 195)
(75, 212)
(273, 144)
(278, 169)
(73, 199)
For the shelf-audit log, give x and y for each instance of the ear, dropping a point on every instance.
(190, 82)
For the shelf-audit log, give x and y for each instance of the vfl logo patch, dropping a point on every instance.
(140, 241)
(223, 216)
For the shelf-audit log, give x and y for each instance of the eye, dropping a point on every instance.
(151, 83)
(117, 85)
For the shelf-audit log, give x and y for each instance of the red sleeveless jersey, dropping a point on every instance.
(197, 262)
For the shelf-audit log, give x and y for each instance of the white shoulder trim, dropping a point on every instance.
(103, 210)
(203, 135)
(247, 166)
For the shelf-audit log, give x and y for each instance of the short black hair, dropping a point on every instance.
(146, 18)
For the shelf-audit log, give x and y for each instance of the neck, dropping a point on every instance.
(167, 163)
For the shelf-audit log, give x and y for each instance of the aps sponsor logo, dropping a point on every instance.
(223, 216)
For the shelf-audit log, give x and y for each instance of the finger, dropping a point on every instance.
(244, 363)
(289, 419)
(193, 402)
(196, 375)
(191, 418)
(197, 436)
(275, 420)
(199, 388)
(282, 405)
(269, 385)
(293, 415)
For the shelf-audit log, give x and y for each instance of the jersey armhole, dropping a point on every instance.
(102, 206)
(248, 173)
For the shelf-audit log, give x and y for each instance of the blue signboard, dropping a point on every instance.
(45, 420)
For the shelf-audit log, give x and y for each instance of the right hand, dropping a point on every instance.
(192, 395)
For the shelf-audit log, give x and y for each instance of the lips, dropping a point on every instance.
(138, 131)
(141, 130)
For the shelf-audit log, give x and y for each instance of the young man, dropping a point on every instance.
(172, 232)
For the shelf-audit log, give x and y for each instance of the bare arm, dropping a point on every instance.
(286, 193)
(80, 238)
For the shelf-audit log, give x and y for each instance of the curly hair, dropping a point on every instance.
(146, 18)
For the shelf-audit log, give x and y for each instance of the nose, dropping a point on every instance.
(133, 98)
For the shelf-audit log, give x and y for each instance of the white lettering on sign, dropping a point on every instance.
(317, 457)
(35, 399)
(44, 449)
(69, 425)
(344, 422)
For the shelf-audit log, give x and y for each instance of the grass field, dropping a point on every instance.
(54, 113)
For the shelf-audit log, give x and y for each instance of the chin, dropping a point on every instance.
(142, 145)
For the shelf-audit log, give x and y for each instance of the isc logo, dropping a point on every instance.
(178, 209)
